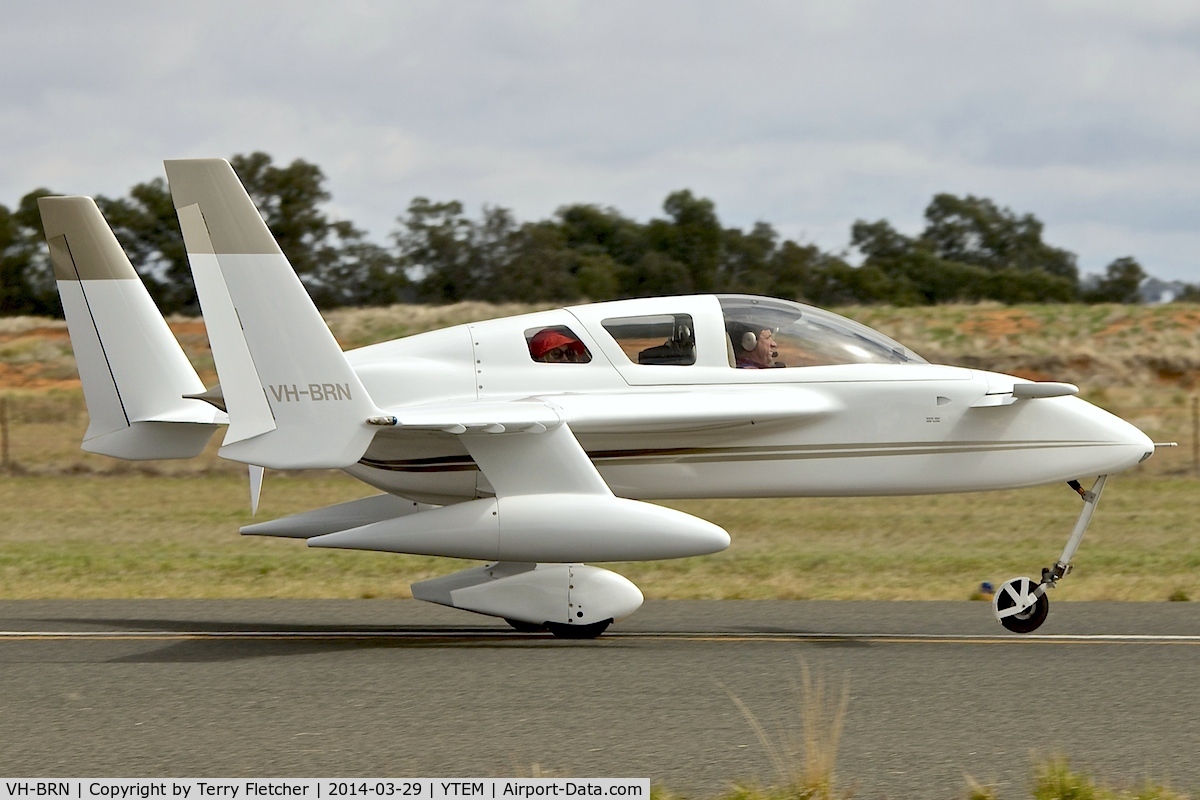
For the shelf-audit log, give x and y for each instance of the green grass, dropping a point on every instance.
(89, 535)
(1054, 779)
(74, 524)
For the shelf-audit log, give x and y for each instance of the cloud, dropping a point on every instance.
(807, 115)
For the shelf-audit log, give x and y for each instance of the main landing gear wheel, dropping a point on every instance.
(525, 627)
(564, 631)
(1018, 606)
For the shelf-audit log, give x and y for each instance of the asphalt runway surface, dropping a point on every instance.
(375, 688)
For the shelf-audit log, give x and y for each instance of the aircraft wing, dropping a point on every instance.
(664, 410)
(550, 503)
(545, 459)
(533, 416)
(693, 408)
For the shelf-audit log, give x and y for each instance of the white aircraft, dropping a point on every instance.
(532, 442)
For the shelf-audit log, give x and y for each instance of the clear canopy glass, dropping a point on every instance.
(808, 336)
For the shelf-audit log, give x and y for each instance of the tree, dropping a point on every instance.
(879, 241)
(591, 229)
(974, 230)
(797, 272)
(746, 260)
(148, 229)
(692, 237)
(655, 273)
(918, 275)
(539, 266)
(333, 258)
(1120, 284)
(597, 276)
(970, 250)
(26, 276)
(435, 245)
(833, 282)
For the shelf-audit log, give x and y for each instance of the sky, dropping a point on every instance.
(806, 115)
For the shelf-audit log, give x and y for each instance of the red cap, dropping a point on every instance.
(545, 341)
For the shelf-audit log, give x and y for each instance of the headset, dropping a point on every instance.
(749, 341)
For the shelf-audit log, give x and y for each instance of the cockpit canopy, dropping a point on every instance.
(806, 336)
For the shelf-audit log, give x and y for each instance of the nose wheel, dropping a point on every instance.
(1020, 604)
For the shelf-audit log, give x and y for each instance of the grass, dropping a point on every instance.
(96, 535)
(1102, 346)
(805, 763)
(77, 525)
(1054, 779)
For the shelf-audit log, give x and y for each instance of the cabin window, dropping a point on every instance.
(797, 335)
(663, 339)
(557, 344)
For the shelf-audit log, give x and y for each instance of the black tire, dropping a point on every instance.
(563, 631)
(1029, 620)
(525, 627)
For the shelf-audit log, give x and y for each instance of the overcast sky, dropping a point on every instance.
(808, 115)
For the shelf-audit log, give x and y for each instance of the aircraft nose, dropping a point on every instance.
(1140, 440)
(1127, 433)
(1134, 445)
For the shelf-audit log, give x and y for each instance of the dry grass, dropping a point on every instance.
(93, 536)
(1143, 545)
(1100, 347)
(136, 535)
(805, 762)
(355, 327)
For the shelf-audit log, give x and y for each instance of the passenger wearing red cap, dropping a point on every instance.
(553, 346)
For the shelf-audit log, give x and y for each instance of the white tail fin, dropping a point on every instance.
(133, 371)
(293, 399)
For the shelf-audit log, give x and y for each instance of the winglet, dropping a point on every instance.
(134, 374)
(293, 400)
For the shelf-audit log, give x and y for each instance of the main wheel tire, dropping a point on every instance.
(525, 627)
(1028, 620)
(563, 631)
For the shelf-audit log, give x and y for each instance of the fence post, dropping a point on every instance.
(1196, 434)
(5, 460)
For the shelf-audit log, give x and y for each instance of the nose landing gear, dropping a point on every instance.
(1021, 605)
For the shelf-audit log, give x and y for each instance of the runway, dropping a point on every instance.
(373, 688)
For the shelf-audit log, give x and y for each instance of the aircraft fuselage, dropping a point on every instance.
(858, 428)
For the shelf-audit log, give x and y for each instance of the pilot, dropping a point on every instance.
(552, 346)
(754, 347)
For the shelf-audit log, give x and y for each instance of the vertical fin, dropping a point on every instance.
(134, 373)
(249, 413)
(276, 355)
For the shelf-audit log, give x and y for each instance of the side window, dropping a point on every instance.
(556, 345)
(657, 339)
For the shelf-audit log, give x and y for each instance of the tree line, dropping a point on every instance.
(970, 250)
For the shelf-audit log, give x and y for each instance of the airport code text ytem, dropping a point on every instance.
(317, 789)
